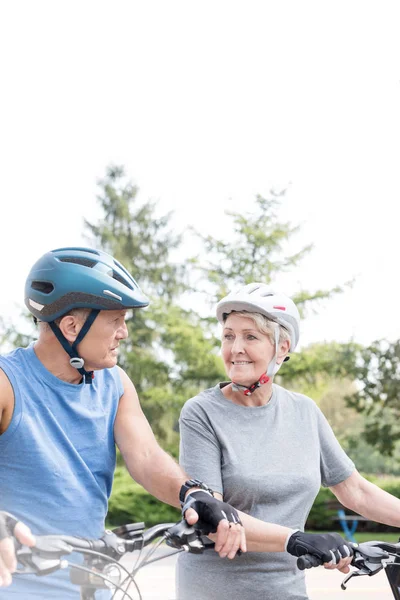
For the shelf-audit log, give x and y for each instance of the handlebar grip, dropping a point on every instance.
(307, 561)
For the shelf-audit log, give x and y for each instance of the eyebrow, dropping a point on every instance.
(230, 329)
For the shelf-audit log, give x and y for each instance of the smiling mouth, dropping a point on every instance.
(242, 362)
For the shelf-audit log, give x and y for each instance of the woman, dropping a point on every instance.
(266, 451)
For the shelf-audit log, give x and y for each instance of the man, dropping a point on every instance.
(64, 404)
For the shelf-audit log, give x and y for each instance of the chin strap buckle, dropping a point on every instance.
(263, 379)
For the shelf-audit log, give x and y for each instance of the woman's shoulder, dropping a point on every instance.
(204, 403)
(296, 399)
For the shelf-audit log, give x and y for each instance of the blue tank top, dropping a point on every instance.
(57, 460)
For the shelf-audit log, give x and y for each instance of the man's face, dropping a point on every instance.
(99, 347)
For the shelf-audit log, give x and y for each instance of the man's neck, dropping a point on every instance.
(56, 360)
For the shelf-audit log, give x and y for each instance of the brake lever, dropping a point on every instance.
(358, 573)
(366, 564)
(184, 536)
(44, 557)
(37, 565)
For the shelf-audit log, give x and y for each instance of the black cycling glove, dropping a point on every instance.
(325, 546)
(210, 510)
(7, 524)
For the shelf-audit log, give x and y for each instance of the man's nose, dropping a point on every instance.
(122, 332)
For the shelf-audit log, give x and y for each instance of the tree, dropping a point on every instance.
(378, 397)
(257, 250)
(167, 355)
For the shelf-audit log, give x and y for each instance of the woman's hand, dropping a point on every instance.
(333, 550)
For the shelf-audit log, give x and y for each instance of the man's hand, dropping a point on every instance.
(9, 526)
(214, 516)
(333, 550)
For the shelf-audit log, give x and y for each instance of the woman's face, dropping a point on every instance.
(246, 351)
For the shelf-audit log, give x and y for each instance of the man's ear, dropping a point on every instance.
(70, 326)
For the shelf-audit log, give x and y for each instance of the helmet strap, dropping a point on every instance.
(72, 349)
(273, 367)
(248, 390)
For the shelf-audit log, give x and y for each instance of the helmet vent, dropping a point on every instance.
(85, 262)
(118, 277)
(43, 286)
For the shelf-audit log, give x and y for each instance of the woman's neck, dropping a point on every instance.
(259, 397)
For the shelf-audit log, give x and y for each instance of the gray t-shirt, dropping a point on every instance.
(267, 461)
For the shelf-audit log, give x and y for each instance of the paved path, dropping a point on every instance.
(157, 582)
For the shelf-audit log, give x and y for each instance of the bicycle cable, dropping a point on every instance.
(104, 578)
(120, 566)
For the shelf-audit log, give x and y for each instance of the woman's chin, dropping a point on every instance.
(245, 379)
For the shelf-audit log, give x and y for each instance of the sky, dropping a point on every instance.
(206, 105)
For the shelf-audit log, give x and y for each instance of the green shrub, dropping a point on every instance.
(130, 503)
(323, 511)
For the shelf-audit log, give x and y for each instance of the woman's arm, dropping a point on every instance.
(260, 536)
(269, 537)
(368, 500)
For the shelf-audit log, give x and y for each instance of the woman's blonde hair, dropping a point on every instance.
(264, 325)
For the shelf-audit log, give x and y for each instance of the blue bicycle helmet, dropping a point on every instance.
(69, 278)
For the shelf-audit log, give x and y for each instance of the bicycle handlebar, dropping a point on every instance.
(373, 552)
(45, 557)
(369, 558)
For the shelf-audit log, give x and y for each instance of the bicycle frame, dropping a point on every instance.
(393, 576)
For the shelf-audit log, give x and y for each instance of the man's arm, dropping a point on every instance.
(6, 401)
(8, 524)
(154, 469)
(146, 461)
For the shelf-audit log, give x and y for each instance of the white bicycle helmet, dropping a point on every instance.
(260, 298)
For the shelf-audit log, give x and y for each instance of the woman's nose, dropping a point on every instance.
(237, 346)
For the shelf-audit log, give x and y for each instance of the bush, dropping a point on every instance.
(323, 511)
(129, 503)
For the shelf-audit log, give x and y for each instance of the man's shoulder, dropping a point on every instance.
(13, 362)
(14, 355)
(6, 391)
